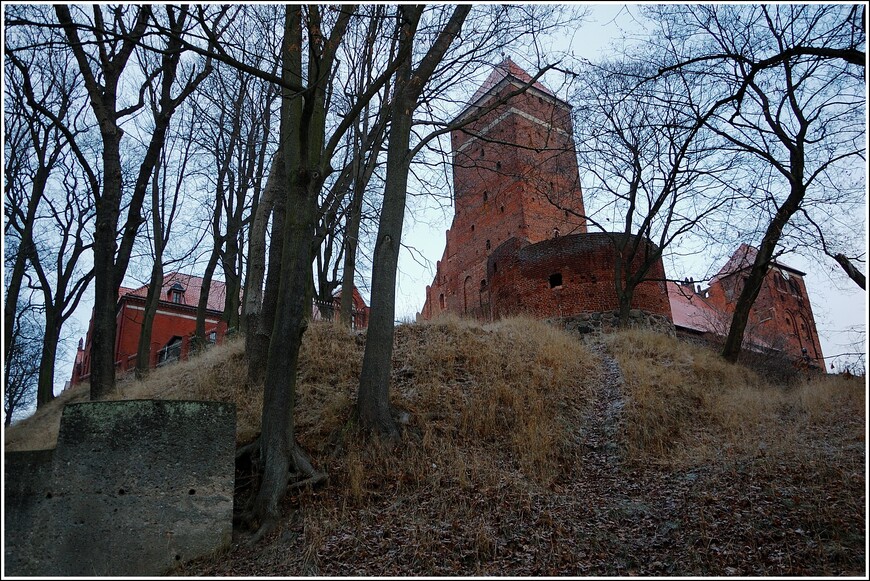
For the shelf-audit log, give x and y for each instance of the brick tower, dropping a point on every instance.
(515, 176)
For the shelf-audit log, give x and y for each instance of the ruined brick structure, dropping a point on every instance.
(781, 318)
(518, 242)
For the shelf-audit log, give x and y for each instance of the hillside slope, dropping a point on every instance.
(528, 452)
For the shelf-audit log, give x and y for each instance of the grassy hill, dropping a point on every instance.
(529, 452)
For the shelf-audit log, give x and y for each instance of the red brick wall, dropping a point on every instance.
(781, 316)
(170, 321)
(520, 283)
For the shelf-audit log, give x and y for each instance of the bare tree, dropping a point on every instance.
(165, 207)
(22, 363)
(373, 409)
(653, 171)
(102, 58)
(307, 149)
(443, 64)
(48, 214)
(40, 99)
(797, 76)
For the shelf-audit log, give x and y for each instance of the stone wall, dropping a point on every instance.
(603, 322)
(133, 488)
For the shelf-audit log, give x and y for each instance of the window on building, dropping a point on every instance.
(176, 293)
(488, 245)
(795, 288)
(212, 337)
(502, 209)
(472, 227)
(485, 196)
(483, 284)
(495, 266)
(171, 352)
(441, 301)
(779, 282)
(556, 280)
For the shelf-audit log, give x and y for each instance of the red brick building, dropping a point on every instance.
(781, 318)
(175, 323)
(173, 328)
(518, 243)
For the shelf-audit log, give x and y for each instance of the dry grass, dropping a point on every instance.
(685, 404)
(490, 478)
(39, 431)
(510, 385)
(477, 400)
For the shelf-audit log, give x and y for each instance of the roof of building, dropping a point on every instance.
(742, 259)
(690, 310)
(357, 297)
(191, 285)
(504, 69)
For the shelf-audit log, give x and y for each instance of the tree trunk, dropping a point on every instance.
(351, 241)
(105, 288)
(152, 302)
(277, 435)
(257, 249)
(258, 346)
(202, 304)
(45, 388)
(373, 402)
(232, 277)
(155, 286)
(734, 341)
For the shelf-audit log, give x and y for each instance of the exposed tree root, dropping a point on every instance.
(302, 475)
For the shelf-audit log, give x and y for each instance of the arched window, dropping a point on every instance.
(466, 294)
(779, 282)
(441, 301)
